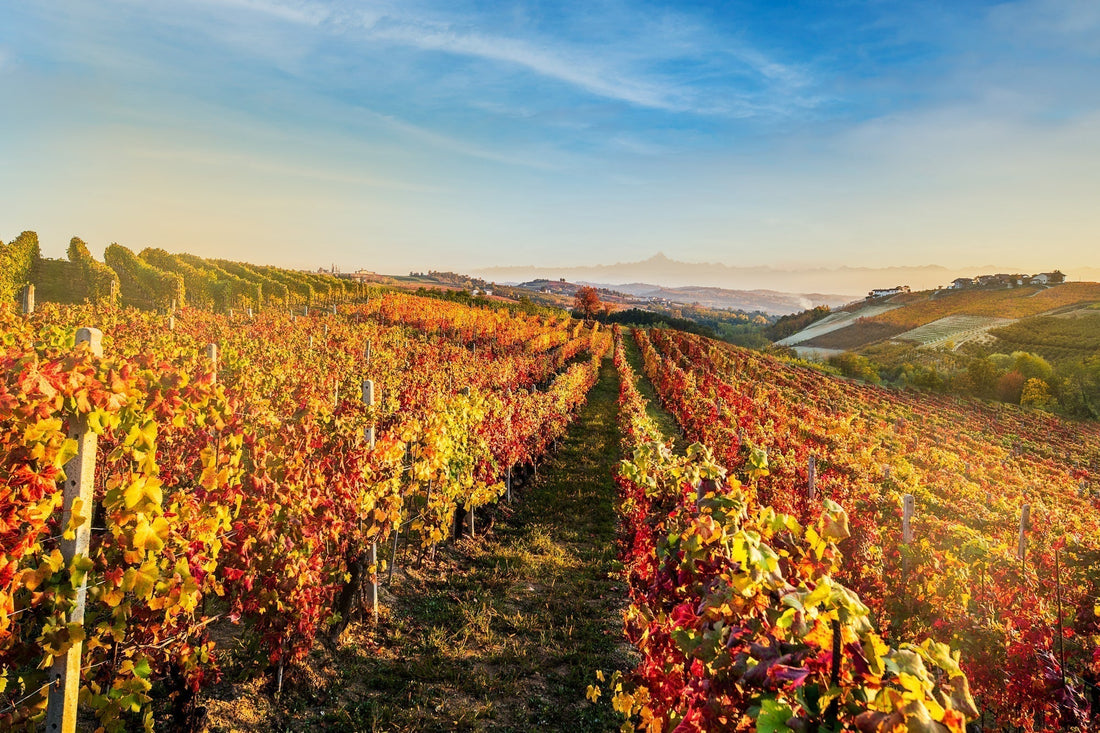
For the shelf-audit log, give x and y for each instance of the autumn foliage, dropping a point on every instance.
(739, 617)
(970, 466)
(240, 493)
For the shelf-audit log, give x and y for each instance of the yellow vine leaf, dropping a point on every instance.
(76, 519)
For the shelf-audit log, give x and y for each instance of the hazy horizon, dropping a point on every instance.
(461, 136)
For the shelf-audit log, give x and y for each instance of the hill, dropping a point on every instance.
(940, 317)
(1033, 345)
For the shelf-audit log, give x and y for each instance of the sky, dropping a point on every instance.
(454, 135)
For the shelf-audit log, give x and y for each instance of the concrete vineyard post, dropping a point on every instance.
(28, 300)
(907, 503)
(250, 311)
(811, 489)
(508, 484)
(366, 352)
(1021, 545)
(333, 309)
(393, 553)
(171, 323)
(212, 355)
(306, 311)
(61, 707)
(368, 400)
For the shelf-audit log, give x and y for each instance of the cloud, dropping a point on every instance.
(462, 147)
(304, 13)
(625, 69)
(1063, 24)
(623, 62)
(545, 60)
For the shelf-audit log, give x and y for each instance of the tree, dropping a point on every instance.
(1011, 386)
(587, 301)
(984, 376)
(1032, 366)
(856, 367)
(1036, 394)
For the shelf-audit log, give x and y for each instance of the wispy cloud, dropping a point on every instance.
(462, 147)
(547, 61)
(625, 68)
(1072, 23)
(306, 13)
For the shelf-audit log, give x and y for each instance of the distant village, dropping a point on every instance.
(1000, 280)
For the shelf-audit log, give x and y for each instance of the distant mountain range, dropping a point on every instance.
(849, 281)
(767, 301)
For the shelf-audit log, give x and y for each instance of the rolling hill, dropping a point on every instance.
(939, 318)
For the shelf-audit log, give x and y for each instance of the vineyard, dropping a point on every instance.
(999, 558)
(737, 612)
(156, 279)
(1019, 302)
(250, 453)
(245, 470)
(933, 318)
(1057, 338)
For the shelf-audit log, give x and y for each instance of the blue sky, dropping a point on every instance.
(416, 135)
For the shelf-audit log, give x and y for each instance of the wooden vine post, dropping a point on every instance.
(28, 299)
(811, 489)
(212, 355)
(61, 707)
(372, 586)
(1021, 544)
(907, 504)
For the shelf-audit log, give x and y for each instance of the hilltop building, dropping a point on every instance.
(1004, 280)
(883, 292)
(1048, 278)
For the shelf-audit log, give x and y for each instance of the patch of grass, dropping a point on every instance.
(662, 417)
